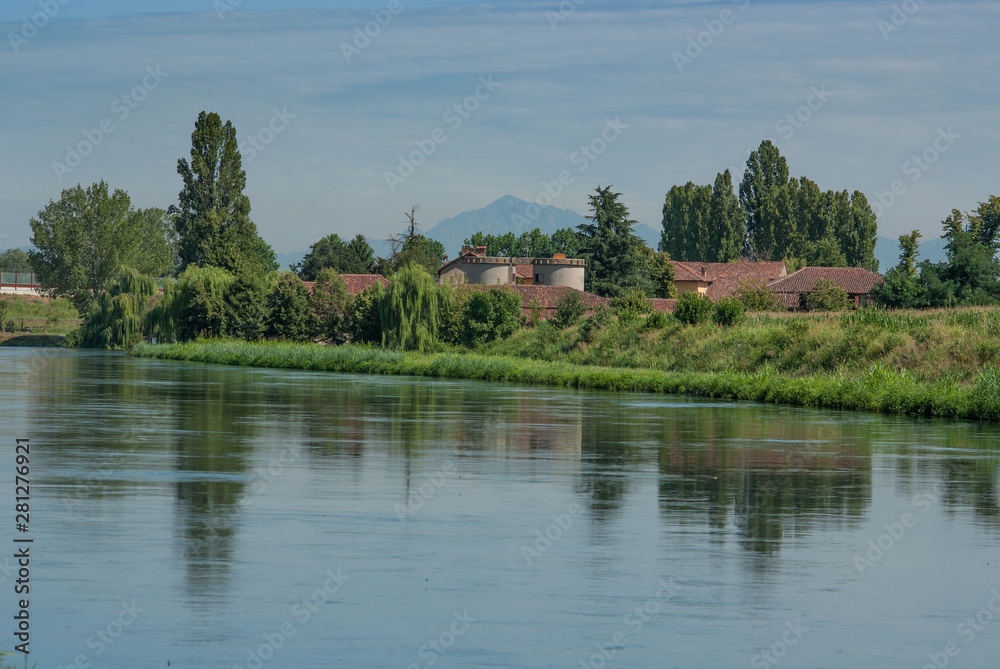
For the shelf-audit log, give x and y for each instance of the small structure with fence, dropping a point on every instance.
(19, 283)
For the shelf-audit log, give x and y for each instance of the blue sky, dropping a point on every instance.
(330, 126)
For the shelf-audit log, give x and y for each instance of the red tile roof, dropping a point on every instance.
(724, 277)
(855, 280)
(356, 283)
(525, 271)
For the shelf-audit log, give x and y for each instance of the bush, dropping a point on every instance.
(827, 296)
(631, 304)
(728, 311)
(491, 315)
(600, 317)
(656, 321)
(693, 308)
(755, 296)
(569, 309)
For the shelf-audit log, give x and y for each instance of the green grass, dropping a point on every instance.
(18, 312)
(875, 389)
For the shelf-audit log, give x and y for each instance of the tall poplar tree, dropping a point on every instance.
(766, 171)
(726, 221)
(213, 219)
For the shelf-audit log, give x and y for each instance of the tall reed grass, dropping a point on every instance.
(876, 389)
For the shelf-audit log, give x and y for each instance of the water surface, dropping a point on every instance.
(221, 517)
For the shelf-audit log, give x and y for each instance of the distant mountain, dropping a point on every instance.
(511, 214)
(887, 252)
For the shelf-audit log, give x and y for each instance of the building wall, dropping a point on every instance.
(560, 275)
(490, 274)
(691, 287)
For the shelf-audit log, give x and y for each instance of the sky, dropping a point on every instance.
(451, 105)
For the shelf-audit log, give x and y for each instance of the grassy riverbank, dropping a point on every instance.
(853, 362)
(21, 314)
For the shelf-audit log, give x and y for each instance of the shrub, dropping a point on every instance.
(569, 309)
(490, 315)
(631, 304)
(728, 311)
(827, 296)
(693, 308)
(656, 321)
(600, 317)
(535, 313)
(755, 296)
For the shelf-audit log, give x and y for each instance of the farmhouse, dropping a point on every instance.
(857, 281)
(475, 267)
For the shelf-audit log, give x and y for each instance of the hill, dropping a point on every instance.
(511, 214)
(887, 252)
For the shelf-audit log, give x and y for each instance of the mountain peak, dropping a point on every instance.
(512, 214)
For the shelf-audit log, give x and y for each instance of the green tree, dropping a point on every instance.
(686, 227)
(419, 250)
(827, 296)
(248, 308)
(726, 221)
(569, 309)
(328, 301)
(766, 171)
(363, 324)
(409, 310)
(909, 249)
(728, 311)
(693, 308)
(489, 316)
(119, 317)
(662, 274)
(213, 219)
(568, 242)
(630, 304)
(194, 306)
(612, 250)
(985, 223)
(858, 239)
(84, 241)
(288, 303)
(15, 260)
(331, 252)
(360, 257)
(755, 296)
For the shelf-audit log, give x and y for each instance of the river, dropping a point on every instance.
(209, 516)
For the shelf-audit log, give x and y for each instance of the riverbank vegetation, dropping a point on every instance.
(22, 315)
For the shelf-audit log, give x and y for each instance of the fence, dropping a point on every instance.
(18, 279)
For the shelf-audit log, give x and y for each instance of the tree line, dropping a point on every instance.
(773, 217)
(970, 275)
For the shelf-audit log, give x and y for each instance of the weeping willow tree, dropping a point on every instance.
(410, 310)
(195, 305)
(118, 319)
